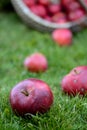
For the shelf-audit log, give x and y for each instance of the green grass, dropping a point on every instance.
(18, 41)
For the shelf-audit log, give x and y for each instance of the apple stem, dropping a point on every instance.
(76, 71)
(24, 92)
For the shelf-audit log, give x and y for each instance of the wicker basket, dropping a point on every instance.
(36, 22)
(85, 7)
(83, 3)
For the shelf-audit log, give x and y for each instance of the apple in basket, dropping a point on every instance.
(44, 2)
(29, 2)
(39, 10)
(31, 96)
(75, 82)
(74, 5)
(54, 8)
(76, 15)
(59, 17)
(36, 62)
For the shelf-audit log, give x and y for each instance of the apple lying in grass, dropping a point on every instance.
(62, 37)
(36, 62)
(76, 81)
(31, 96)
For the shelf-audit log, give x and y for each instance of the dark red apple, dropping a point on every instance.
(31, 96)
(48, 18)
(36, 62)
(76, 81)
(62, 37)
(66, 2)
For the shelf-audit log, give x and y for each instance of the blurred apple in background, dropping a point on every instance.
(36, 62)
(62, 37)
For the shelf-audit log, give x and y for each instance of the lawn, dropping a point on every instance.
(18, 41)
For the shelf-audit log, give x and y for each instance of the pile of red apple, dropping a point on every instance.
(61, 12)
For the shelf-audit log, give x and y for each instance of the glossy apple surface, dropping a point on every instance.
(76, 81)
(36, 62)
(31, 96)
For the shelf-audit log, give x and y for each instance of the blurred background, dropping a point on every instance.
(5, 5)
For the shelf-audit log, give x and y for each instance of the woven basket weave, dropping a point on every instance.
(36, 22)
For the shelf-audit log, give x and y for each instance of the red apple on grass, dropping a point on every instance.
(31, 96)
(78, 69)
(36, 62)
(75, 82)
(62, 37)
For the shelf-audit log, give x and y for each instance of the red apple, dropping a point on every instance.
(76, 81)
(74, 5)
(36, 62)
(39, 10)
(48, 18)
(54, 8)
(60, 16)
(29, 2)
(62, 37)
(44, 2)
(85, 2)
(76, 15)
(78, 69)
(31, 96)
(66, 2)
